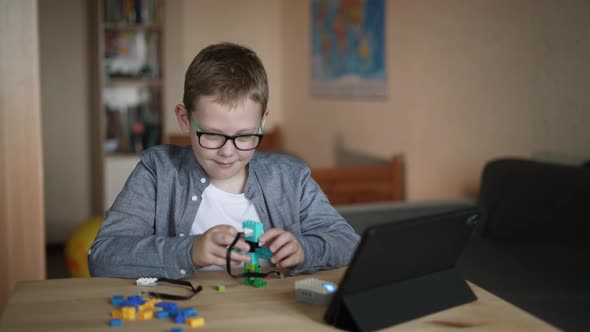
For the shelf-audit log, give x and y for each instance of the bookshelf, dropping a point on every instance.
(126, 90)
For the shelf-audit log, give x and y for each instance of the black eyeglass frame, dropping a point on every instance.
(227, 137)
(200, 133)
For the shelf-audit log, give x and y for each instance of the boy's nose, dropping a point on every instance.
(228, 148)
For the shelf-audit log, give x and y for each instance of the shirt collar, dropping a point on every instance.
(196, 176)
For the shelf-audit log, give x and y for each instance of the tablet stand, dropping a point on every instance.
(388, 305)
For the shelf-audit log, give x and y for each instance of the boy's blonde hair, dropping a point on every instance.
(230, 72)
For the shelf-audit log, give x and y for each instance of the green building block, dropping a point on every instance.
(256, 282)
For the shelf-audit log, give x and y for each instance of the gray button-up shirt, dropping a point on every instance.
(146, 230)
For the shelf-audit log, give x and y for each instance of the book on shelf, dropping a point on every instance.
(131, 53)
(132, 11)
(132, 120)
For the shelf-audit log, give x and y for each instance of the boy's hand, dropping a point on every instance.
(211, 247)
(287, 251)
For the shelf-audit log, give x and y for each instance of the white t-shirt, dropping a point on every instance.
(222, 208)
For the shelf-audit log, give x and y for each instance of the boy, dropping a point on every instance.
(182, 206)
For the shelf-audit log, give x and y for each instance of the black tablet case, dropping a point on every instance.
(404, 270)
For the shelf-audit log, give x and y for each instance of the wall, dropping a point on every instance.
(22, 250)
(64, 101)
(192, 25)
(468, 81)
(189, 26)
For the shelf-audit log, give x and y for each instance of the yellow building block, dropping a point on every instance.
(195, 321)
(128, 313)
(148, 314)
(117, 314)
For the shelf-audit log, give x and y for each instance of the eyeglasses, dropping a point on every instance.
(213, 141)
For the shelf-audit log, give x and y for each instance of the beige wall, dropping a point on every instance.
(64, 97)
(468, 81)
(22, 250)
(192, 25)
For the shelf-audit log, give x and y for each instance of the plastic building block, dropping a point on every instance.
(180, 318)
(315, 291)
(148, 314)
(150, 304)
(162, 314)
(190, 312)
(116, 322)
(117, 300)
(177, 329)
(256, 282)
(220, 288)
(129, 312)
(252, 232)
(135, 299)
(263, 252)
(195, 321)
(117, 314)
(248, 232)
(256, 227)
(168, 306)
(146, 282)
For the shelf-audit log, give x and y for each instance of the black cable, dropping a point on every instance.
(173, 296)
(245, 274)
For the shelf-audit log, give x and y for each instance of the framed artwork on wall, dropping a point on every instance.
(348, 49)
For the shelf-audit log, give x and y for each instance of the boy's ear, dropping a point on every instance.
(264, 117)
(183, 119)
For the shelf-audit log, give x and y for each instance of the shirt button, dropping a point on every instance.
(89, 251)
(181, 234)
(203, 180)
(194, 198)
(182, 271)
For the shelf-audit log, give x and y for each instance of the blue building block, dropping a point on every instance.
(168, 306)
(177, 329)
(135, 299)
(116, 322)
(263, 252)
(117, 299)
(162, 314)
(190, 312)
(180, 318)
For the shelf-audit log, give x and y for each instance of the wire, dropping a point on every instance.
(194, 290)
(245, 274)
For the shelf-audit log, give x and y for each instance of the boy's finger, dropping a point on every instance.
(239, 257)
(243, 246)
(221, 253)
(269, 235)
(288, 262)
(279, 242)
(224, 229)
(287, 250)
(224, 239)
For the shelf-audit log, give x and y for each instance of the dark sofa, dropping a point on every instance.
(531, 246)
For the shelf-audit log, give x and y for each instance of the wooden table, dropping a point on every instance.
(84, 304)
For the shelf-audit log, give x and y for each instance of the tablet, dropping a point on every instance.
(403, 270)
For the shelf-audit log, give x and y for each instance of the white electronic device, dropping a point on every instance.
(315, 291)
